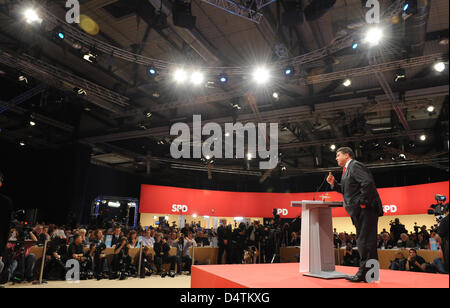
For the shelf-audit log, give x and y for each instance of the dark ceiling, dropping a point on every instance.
(113, 106)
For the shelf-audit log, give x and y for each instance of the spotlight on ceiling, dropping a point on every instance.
(439, 67)
(276, 95)
(249, 156)
(23, 78)
(22, 144)
(31, 16)
(400, 74)
(223, 78)
(152, 71)
(347, 83)
(197, 78)
(60, 35)
(179, 76)
(32, 123)
(289, 71)
(355, 45)
(423, 137)
(430, 108)
(373, 36)
(332, 147)
(261, 75)
(410, 7)
(90, 57)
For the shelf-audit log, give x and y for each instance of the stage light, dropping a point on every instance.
(403, 156)
(22, 144)
(249, 156)
(261, 75)
(32, 123)
(423, 137)
(89, 57)
(410, 7)
(439, 67)
(430, 108)
(283, 168)
(31, 16)
(197, 78)
(400, 74)
(355, 45)
(23, 78)
(333, 147)
(152, 71)
(148, 114)
(223, 78)
(288, 71)
(207, 157)
(347, 83)
(61, 35)
(275, 95)
(179, 76)
(373, 36)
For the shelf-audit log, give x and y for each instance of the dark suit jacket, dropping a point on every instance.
(358, 187)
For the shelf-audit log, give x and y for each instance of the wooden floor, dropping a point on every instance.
(182, 281)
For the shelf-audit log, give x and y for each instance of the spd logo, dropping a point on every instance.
(390, 208)
(179, 208)
(282, 212)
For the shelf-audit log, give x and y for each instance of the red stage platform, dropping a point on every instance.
(286, 275)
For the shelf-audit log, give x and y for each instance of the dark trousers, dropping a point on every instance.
(222, 249)
(120, 263)
(159, 261)
(54, 265)
(187, 263)
(366, 224)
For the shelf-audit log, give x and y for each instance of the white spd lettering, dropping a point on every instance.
(390, 208)
(179, 208)
(282, 212)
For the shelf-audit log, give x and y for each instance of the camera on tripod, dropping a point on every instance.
(440, 208)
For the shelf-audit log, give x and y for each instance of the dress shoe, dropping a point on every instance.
(355, 279)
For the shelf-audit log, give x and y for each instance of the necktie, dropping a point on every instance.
(343, 172)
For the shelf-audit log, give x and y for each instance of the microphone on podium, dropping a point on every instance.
(323, 182)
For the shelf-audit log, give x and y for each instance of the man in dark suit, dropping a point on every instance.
(362, 203)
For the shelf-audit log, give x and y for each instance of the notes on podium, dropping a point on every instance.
(317, 247)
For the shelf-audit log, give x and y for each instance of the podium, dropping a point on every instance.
(317, 247)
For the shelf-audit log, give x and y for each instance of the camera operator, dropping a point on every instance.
(397, 229)
(183, 255)
(162, 249)
(21, 262)
(6, 208)
(442, 231)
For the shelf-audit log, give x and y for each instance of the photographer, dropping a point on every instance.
(183, 255)
(121, 260)
(55, 259)
(399, 263)
(162, 249)
(415, 263)
(442, 231)
(21, 261)
(100, 262)
(223, 236)
(351, 257)
(6, 208)
(146, 262)
(238, 244)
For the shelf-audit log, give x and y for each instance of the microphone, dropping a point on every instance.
(323, 182)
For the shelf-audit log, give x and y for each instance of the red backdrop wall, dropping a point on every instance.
(406, 200)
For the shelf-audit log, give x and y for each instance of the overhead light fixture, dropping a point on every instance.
(373, 36)
(60, 35)
(410, 7)
(333, 147)
(289, 71)
(249, 156)
(275, 95)
(283, 168)
(22, 144)
(148, 114)
(197, 78)
(355, 45)
(261, 75)
(179, 76)
(347, 83)
(32, 123)
(400, 74)
(31, 16)
(439, 67)
(423, 137)
(152, 71)
(90, 57)
(430, 108)
(223, 78)
(23, 78)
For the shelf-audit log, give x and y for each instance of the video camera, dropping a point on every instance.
(440, 208)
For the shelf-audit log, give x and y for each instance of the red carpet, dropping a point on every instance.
(286, 275)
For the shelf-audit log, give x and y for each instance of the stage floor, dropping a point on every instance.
(286, 275)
